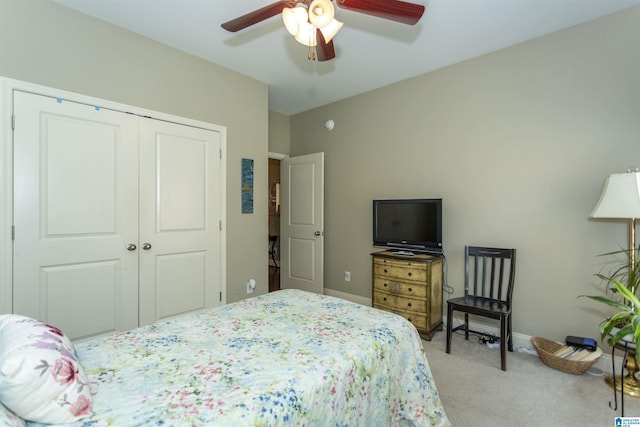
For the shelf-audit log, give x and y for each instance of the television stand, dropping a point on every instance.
(411, 286)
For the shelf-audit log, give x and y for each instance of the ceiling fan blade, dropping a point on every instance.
(257, 15)
(324, 51)
(395, 10)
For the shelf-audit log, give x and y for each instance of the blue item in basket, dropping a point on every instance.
(588, 343)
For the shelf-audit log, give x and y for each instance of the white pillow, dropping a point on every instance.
(40, 377)
(9, 419)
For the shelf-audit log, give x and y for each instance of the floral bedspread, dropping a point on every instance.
(287, 358)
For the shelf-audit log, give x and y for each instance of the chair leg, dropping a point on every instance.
(510, 332)
(503, 344)
(466, 326)
(449, 326)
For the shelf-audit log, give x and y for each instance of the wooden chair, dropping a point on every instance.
(489, 277)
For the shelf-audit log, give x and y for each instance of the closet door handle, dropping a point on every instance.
(146, 246)
(131, 247)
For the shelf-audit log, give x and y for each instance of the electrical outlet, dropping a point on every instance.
(251, 285)
(347, 276)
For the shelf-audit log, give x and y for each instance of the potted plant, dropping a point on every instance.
(623, 283)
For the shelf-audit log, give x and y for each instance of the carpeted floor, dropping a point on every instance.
(475, 392)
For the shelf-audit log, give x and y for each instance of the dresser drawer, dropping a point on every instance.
(412, 290)
(418, 320)
(387, 268)
(399, 302)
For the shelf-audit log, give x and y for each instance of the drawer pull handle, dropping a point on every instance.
(385, 270)
(410, 273)
(409, 304)
(385, 285)
(410, 290)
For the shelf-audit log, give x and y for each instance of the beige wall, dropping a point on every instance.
(517, 143)
(279, 133)
(45, 43)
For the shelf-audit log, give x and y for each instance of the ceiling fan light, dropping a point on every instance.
(290, 20)
(331, 30)
(293, 17)
(321, 13)
(306, 34)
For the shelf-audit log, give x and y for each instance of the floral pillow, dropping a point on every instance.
(40, 377)
(9, 419)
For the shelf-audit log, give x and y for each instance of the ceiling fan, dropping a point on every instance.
(313, 24)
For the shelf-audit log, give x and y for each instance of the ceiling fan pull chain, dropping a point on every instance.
(311, 53)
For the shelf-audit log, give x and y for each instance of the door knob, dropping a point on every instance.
(317, 233)
(131, 247)
(146, 246)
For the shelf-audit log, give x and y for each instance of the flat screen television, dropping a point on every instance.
(408, 224)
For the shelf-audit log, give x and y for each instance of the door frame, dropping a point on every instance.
(7, 87)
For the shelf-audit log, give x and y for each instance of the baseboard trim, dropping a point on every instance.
(349, 297)
(521, 340)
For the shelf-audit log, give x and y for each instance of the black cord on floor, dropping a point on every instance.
(445, 273)
(481, 337)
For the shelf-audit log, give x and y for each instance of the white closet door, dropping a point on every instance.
(180, 259)
(75, 213)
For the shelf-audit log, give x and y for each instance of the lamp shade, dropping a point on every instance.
(331, 30)
(620, 197)
(321, 13)
(306, 34)
(294, 17)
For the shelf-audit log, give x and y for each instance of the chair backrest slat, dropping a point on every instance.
(493, 278)
(502, 264)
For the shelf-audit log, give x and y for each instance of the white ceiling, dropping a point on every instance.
(370, 52)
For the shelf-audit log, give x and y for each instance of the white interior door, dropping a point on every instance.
(75, 213)
(180, 214)
(302, 223)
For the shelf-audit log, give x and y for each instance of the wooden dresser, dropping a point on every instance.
(411, 286)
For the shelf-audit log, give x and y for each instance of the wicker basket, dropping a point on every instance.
(546, 348)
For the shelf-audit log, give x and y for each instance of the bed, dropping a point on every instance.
(285, 358)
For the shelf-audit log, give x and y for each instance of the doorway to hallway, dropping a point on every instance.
(274, 223)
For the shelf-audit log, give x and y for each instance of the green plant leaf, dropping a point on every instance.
(626, 293)
(606, 300)
(622, 282)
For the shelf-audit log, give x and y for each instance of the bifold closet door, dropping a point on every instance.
(75, 215)
(180, 259)
(117, 216)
